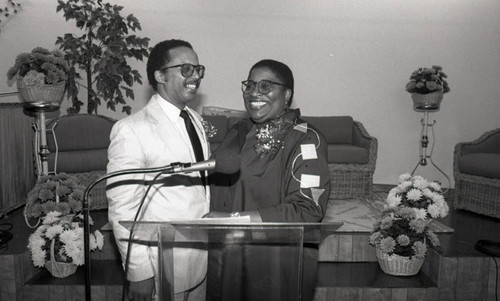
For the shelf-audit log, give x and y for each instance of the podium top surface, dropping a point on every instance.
(222, 230)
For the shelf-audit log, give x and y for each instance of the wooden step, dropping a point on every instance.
(347, 247)
(366, 281)
(107, 284)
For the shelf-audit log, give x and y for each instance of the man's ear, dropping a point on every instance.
(288, 96)
(160, 77)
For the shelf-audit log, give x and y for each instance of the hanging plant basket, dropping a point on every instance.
(43, 94)
(59, 269)
(398, 265)
(427, 102)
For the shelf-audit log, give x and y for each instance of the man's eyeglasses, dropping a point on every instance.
(187, 69)
(264, 86)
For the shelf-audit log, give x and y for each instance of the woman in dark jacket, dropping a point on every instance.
(283, 177)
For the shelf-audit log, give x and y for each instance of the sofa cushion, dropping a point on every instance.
(79, 161)
(336, 129)
(80, 132)
(481, 164)
(211, 110)
(347, 154)
(82, 143)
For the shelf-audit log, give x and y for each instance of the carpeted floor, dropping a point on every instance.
(359, 215)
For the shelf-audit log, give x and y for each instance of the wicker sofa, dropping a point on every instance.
(476, 169)
(78, 145)
(352, 152)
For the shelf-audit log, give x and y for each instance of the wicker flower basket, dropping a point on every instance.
(427, 102)
(47, 93)
(59, 269)
(398, 265)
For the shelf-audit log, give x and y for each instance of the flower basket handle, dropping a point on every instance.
(52, 247)
(58, 269)
(26, 219)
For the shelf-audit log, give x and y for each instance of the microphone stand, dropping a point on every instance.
(86, 214)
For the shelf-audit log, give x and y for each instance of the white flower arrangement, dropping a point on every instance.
(67, 233)
(410, 207)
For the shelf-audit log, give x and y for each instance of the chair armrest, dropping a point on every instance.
(488, 142)
(360, 137)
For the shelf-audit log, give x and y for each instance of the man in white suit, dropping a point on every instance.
(153, 137)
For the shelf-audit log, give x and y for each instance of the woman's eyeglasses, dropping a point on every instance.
(264, 86)
(188, 69)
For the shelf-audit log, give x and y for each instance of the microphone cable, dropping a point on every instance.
(129, 248)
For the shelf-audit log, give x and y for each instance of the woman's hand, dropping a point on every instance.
(253, 214)
(215, 214)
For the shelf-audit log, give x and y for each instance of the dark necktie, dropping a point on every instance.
(193, 136)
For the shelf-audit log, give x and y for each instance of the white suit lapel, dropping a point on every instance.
(167, 127)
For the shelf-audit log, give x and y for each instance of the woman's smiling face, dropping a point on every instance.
(263, 107)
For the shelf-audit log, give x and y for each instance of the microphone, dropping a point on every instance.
(190, 167)
(225, 161)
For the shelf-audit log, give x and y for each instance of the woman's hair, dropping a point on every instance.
(160, 56)
(282, 71)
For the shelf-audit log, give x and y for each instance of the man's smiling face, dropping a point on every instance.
(179, 89)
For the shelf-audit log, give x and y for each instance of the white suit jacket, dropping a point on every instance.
(155, 137)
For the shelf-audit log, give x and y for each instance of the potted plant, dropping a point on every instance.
(101, 51)
(61, 192)
(40, 75)
(402, 234)
(57, 244)
(427, 86)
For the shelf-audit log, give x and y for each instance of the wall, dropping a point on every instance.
(349, 57)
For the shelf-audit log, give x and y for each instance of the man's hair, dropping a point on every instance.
(160, 56)
(282, 71)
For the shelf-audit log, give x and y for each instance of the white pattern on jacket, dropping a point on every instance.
(154, 137)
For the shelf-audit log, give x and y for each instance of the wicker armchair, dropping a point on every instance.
(350, 176)
(78, 145)
(476, 169)
(354, 180)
